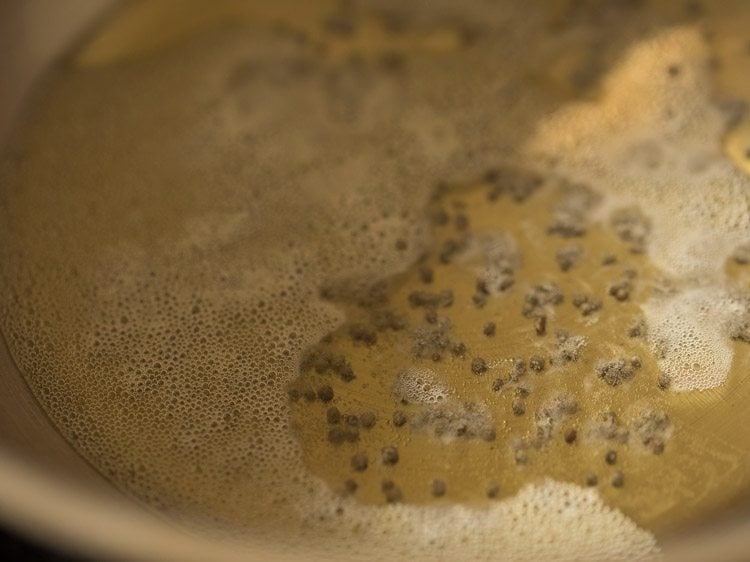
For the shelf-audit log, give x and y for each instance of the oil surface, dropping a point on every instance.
(473, 464)
(200, 202)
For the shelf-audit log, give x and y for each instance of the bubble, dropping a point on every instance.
(419, 386)
(690, 336)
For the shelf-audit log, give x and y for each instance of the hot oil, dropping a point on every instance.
(197, 195)
(478, 468)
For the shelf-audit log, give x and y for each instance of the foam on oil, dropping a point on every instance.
(169, 221)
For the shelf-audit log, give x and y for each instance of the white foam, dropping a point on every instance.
(548, 520)
(654, 140)
(176, 279)
(419, 386)
(688, 331)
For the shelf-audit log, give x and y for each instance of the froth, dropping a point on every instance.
(690, 335)
(545, 521)
(195, 202)
(653, 141)
(419, 386)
